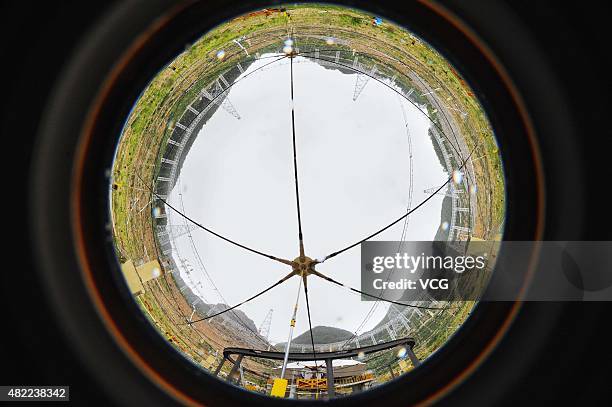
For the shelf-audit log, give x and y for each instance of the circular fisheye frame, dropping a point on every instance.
(257, 160)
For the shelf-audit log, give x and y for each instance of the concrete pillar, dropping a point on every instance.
(218, 369)
(235, 368)
(415, 361)
(331, 392)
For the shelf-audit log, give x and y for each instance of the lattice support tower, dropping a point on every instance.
(175, 231)
(450, 192)
(218, 95)
(362, 79)
(264, 328)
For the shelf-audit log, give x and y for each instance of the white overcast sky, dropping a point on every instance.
(353, 162)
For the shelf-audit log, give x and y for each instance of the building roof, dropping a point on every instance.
(311, 363)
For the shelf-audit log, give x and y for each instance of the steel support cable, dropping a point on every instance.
(295, 167)
(314, 352)
(297, 197)
(212, 232)
(299, 214)
(279, 282)
(423, 202)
